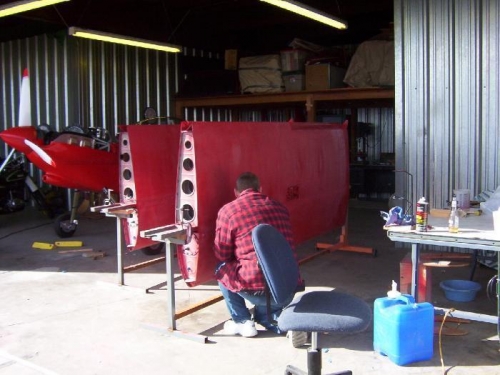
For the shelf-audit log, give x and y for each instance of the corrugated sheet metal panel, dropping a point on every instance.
(47, 61)
(489, 131)
(83, 82)
(381, 138)
(117, 83)
(447, 96)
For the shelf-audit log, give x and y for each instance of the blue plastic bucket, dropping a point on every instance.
(460, 290)
(403, 330)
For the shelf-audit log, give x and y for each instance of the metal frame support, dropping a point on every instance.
(343, 245)
(171, 235)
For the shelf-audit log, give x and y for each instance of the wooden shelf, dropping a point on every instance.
(343, 98)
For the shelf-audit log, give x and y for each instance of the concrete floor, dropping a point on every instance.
(66, 314)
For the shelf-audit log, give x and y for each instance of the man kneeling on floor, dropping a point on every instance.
(238, 272)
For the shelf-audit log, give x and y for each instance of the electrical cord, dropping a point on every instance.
(440, 345)
(23, 230)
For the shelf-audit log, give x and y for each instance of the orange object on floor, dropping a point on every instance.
(424, 279)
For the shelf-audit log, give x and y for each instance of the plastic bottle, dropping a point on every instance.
(453, 221)
(394, 293)
(421, 215)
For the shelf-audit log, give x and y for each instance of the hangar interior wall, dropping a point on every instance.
(446, 107)
(447, 97)
(83, 82)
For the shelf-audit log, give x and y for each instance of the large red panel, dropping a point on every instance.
(303, 165)
(154, 150)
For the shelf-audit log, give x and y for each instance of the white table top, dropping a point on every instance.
(475, 232)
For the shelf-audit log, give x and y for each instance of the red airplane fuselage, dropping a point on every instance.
(69, 160)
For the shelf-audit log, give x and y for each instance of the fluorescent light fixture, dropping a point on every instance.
(23, 6)
(120, 39)
(307, 11)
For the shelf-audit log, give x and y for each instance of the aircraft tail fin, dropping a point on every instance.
(25, 102)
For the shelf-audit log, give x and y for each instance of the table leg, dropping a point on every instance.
(415, 255)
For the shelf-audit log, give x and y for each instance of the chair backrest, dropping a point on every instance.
(277, 261)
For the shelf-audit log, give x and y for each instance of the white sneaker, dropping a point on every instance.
(245, 329)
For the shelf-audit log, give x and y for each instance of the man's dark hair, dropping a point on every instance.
(247, 180)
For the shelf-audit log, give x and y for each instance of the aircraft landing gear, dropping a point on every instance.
(64, 226)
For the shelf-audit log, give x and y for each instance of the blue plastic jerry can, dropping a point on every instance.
(403, 330)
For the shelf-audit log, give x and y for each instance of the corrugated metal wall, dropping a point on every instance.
(86, 83)
(447, 96)
(447, 92)
(381, 137)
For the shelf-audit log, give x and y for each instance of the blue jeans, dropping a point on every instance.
(235, 303)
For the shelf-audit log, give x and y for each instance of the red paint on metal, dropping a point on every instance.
(303, 165)
(15, 137)
(73, 167)
(81, 168)
(154, 150)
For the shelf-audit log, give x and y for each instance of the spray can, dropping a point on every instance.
(421, 215)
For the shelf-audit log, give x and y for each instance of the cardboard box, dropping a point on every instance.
(293, 60)
(294, 81)
(324, 77)
(231, 59)
(261, 74)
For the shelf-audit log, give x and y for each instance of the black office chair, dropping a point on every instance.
(316, 311)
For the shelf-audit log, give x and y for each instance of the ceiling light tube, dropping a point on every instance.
(307, 11)
(23, 6)
(120, 39)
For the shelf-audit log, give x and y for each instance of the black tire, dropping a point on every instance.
(63, 227)
(155, 249)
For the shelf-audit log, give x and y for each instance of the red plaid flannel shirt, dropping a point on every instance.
(233, 238)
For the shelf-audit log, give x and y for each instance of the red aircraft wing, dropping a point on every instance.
(303, 165)
(148, 172)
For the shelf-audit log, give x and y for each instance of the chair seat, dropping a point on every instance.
(325, 311)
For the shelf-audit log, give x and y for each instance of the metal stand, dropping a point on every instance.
(172, 235)
(118, 211)
(343, 245)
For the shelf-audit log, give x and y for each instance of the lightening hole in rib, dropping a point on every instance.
(128, 193)
(187, 187)
(188, 164)
(187, 212)
(127, 175)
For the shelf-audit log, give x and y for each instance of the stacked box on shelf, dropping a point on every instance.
(260, 74)
(292, 64)
(324, 77)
